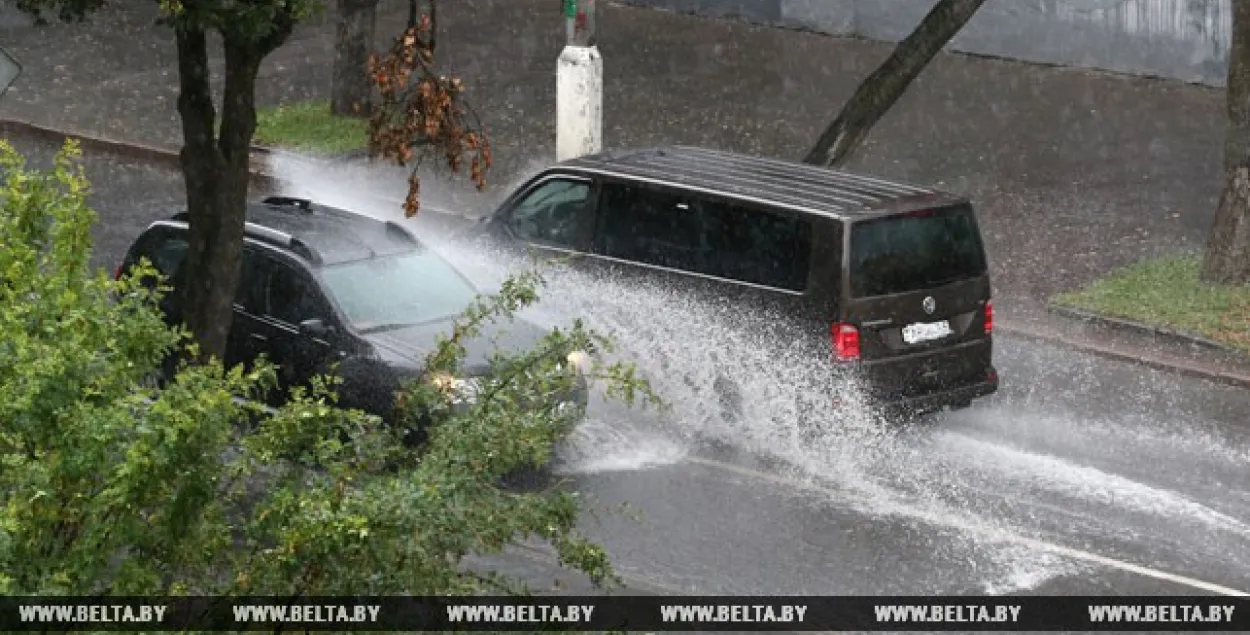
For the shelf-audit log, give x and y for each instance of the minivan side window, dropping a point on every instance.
(756, 246)
(554, 213)
(648, 226)
(713, 238)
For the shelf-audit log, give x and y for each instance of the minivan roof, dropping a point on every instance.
(798, 186)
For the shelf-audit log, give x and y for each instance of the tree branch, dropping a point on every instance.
(877, 94)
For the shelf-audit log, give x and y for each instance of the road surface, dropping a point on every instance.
(1081, 476)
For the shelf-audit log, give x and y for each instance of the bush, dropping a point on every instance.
(111, 485)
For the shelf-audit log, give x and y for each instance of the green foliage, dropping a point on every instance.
(112, 485)
(1166, 292)
(310, 126)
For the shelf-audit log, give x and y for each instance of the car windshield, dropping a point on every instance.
(915, 251)
(416, 287)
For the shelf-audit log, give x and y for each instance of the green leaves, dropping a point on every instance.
(110, 484)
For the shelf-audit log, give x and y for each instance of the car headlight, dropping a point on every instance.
(579, 360)
(456, 389)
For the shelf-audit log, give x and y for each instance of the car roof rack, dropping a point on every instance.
(281, 239)
(303, 204)
(401, 232)
(269, 236)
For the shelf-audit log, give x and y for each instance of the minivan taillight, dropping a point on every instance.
(989, 317)
(117, 273)
(845, 341)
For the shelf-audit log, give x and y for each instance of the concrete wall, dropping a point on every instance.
(1181, 39)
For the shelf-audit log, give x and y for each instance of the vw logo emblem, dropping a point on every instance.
(929, 305)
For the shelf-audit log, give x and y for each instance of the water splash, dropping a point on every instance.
(1029, 462)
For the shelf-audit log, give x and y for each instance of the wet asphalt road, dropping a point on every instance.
(1065, 483)
(1081, 476)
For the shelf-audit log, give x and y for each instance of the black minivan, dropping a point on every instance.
(890, 279)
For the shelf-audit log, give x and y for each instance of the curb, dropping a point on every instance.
(166, 157)
(1227, 378)
(351, 155)
(271, 151)
(161, 156)
(1139, 328)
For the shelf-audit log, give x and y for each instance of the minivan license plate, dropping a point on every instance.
(924, 332)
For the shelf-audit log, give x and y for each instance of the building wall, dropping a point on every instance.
(1181, 39)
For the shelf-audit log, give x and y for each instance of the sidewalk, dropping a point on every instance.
(1075, 172)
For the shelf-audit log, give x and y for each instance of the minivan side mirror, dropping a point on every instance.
(315, 327)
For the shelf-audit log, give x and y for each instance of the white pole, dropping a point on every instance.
(579, 86)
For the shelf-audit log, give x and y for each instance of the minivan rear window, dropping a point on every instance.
(915, 251)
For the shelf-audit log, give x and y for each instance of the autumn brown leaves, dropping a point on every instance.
(423, 114)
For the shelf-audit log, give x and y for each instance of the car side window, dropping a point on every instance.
(250, 294)
(168, 255)
(554, 212)
(649, 226)
(165, 249)
(293, 297)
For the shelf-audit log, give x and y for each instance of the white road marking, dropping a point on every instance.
(993, 534)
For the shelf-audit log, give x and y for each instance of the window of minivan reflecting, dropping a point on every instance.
(416, 287)
(650, 227)
(911, 252)
(756, 246)
(710, 237)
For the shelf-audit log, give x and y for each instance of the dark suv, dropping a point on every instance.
(890, 279)
(322, 286)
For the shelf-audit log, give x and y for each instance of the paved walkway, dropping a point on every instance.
(1075, 172)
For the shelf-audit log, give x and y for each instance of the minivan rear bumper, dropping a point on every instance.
(955, 396)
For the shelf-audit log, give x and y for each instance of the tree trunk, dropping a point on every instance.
(432, 11)
(877, 94)
(1227, 257)
(205, 291)
(216, 171)
(351, 94)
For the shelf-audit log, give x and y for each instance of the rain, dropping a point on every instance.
(1087, 138)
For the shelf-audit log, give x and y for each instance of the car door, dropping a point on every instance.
(249, 330)
(293, 298)
(649, 236)
(553, 214)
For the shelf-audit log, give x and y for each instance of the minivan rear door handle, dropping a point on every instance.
(259, 338)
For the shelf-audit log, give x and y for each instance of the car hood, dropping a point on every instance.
(409, 346)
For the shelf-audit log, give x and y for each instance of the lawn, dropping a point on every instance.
(1166, 292)
(308, 126)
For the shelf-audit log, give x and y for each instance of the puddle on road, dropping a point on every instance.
(607, 443)
(1137, 484)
